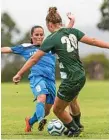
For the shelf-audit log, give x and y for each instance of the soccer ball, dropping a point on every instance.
(55, 127)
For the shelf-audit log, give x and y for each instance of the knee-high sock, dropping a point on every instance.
(39, 114)
(77, 118)
(71, 125)
(40, 111)
(33, 119)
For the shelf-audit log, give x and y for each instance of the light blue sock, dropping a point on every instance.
(39, 114)
(40, 111)
(33, 119)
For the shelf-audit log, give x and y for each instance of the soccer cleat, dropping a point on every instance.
(66, 131)
(28, 126)
(42, 124)
(74, 133)
(81, 127)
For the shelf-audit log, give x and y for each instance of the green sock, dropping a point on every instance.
(76, 118)
(71, 125)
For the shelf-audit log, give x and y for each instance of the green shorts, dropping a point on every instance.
(69, 89)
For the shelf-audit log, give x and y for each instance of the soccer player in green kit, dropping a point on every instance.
(64, 42)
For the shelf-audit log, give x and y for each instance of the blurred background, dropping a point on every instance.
(92, 17)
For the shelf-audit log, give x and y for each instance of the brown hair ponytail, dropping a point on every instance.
(53, 16)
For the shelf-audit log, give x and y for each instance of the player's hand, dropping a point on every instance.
(70, 16)
(16, 78)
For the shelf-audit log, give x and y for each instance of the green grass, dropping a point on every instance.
(17, 103)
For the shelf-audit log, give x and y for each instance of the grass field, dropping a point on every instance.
(17, 103)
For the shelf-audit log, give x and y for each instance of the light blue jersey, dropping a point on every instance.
(42, 74)
(44, 67)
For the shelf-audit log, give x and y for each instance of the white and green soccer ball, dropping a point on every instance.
(55, 127)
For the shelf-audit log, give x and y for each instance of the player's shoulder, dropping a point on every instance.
(70, 29)
(66, 30)
(26, 45)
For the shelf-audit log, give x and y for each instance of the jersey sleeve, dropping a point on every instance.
(47, 45)
(79, 34)
(18, 49)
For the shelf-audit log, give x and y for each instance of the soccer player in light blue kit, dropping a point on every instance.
(42, 75)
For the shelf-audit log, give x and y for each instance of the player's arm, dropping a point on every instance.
(72, 20)
(94, 42)
(33, 60)
(6, 50)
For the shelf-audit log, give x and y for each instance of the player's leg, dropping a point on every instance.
(40, 111)
(64, 116)
(68, 91)
(50, 92)
(75, 112)
(47, 109)
(38, 114)
(44, 91)
(43, 120)
(39, 90)
(50, 97)
(74, 108)
(30, 121)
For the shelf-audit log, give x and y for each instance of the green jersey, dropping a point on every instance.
(64, 43)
